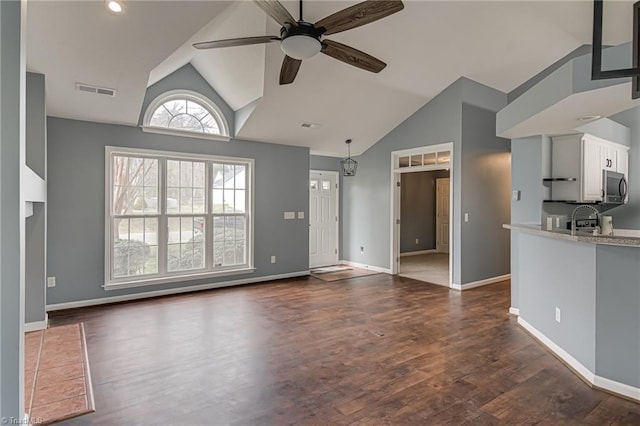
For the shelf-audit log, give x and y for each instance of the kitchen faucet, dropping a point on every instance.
(580, 207)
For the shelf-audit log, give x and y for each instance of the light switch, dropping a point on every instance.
(300, 215)
(466, 217)
(515, 195)
(289, 215)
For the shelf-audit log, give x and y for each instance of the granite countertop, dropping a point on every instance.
(625, 237)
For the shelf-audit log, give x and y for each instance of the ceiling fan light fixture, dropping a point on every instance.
(301, 46)
(114, 6)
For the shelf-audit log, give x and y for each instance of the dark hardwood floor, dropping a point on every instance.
(369, 350)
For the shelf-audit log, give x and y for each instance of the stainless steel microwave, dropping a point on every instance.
(614, 187)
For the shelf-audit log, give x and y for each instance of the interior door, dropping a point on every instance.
(323, 220)
(442, 215)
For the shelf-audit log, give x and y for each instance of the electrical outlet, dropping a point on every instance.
(417, 240)
(51, 281)
(273, 259)
(558, 315)
(361, 249)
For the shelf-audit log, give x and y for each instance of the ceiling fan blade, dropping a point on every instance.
(232, 42)
(289, 70)
(352, 56)
(358, 15)
(277, 11)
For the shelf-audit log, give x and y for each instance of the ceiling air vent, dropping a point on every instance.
(95, 89)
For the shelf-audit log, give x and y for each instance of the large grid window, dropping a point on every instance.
(172, 216)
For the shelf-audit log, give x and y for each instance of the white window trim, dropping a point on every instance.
(179, 276)
(189, 95)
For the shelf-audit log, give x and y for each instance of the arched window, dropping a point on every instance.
(185, 113)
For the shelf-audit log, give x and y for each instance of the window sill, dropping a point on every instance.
(175, 279)
(172, 132)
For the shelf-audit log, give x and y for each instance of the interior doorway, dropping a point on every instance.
(422, 195)
(424, 226)
(323, 218)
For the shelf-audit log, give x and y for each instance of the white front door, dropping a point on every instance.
(442, 215)
(323, 219)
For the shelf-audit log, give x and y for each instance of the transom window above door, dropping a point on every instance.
(437, 158)
(185, 113)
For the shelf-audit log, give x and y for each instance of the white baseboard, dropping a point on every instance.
(480, 283)
(417, 253)
(586, 374)
(147, 294)
(577, 366)
(617, 387)
(37, 325)
(364, 266)
(514, 311)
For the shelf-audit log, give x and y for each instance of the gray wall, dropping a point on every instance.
(187, 78)
(524, 87)
(332, 164)
(367, 195)
(486, 188)
(76, 197)
(628, 216)
(12, 152)
(558, 273)
(597, 288)
(608, 129)
(76, 194)
(617, 314)
(36, 149)
(418, 210)
(526, 177)
(36, 232)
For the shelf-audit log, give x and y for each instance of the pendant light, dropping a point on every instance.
(349, 165)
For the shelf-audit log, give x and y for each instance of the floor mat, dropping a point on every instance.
(57, 379)
(344, 274)
(328, 269)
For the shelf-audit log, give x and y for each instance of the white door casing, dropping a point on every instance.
(442, 215)
(323, 218)
(424, 162)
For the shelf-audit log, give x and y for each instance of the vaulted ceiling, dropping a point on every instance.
(427, 46)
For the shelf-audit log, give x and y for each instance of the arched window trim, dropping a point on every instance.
(189, 95)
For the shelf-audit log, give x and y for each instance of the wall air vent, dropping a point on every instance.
(95, 89)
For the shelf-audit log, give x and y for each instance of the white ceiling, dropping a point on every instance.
(427, 46)
(79, 41)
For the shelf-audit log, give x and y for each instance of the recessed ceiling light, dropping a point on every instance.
(589, 117)
(114, 6)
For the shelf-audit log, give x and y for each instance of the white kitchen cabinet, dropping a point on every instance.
(594, 160)
(577, 163)
(622, 161)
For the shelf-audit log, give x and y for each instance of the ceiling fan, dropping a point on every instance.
(301, 40)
